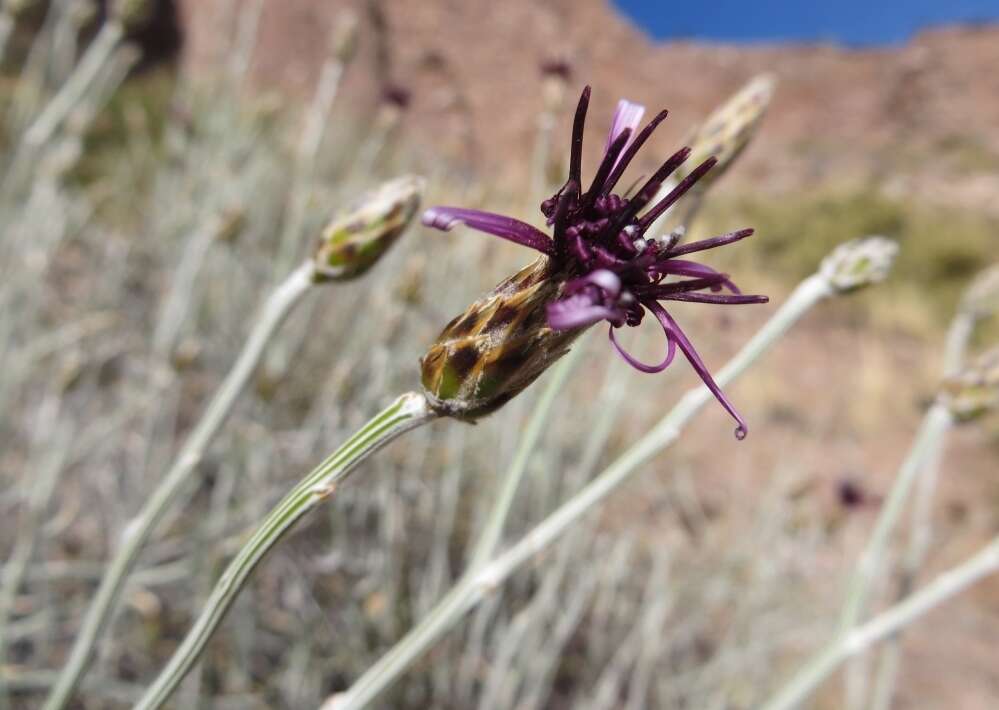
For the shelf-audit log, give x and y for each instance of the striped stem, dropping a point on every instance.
(404, 414)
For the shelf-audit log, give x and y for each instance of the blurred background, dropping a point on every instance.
(195, 169)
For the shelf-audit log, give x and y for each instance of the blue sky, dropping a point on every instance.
(845, 21)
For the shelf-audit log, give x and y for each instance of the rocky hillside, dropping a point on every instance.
(921, 119)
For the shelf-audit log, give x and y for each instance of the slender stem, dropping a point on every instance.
(56, 111)
(890, 622)
(936, 423)
(404, 414)
(52, 447)
(138, 531)
(471, 590)
(493, 531)
(959, 334)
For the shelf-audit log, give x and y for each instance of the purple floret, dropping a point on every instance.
(616, 271)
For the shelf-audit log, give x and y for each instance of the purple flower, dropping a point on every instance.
(614, 270)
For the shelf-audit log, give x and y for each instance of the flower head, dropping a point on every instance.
(603, 263)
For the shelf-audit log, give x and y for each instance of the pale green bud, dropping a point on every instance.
(859, 263)
(361, 234)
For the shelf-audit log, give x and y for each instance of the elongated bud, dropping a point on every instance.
(358, 237)
(728, 130)
(859, 263)
(344, 42)
(487, 356)
(982, 297)
(975, 390)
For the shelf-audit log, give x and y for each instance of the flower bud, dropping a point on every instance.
(859, 263)
(362, 233)
(490, 353)
(727, 131)
(975, 390)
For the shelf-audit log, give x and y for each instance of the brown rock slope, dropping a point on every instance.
(921, 118)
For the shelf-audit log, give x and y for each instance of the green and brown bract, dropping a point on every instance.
(497, 347)
(358, 237)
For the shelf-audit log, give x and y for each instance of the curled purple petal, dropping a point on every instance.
(638, 364)
(445, 218)
(627, 116)
(695, 361)
(579, 311)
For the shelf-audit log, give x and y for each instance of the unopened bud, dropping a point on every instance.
(727, 131)
(859, 263)
(486, 356)
(361, 234)
(344, 42)
(975, 390)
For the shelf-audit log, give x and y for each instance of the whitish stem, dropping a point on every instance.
(404, 414)
(959, 334)
(493, 531)
(935, 424)
(471, 590)
(52, 463)
(890, 622)
(137, 532)
(69, 95)
(178, 299)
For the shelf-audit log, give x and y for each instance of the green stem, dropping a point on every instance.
(473, 588)
(404, 414)
(138, 531)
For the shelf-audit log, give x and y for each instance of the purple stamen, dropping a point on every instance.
(738, 300)
(705, 244)
(682, 267)
(648, 190)
(676, 193)
(576, 151)
(610, 158)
